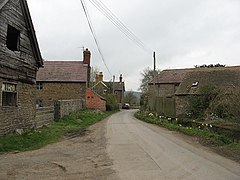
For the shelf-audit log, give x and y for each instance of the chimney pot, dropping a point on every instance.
(100, 76)
(120, 78)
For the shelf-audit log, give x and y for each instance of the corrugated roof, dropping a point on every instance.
(63, 71)
(222, 77)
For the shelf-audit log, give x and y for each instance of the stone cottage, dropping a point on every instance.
(63, 80)
(20, 59)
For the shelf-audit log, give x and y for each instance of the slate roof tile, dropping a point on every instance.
(63, 71)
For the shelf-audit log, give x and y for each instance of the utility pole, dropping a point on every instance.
(154, 72)
(113, 84)
(154, 81)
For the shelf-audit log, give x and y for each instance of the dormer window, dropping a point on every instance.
(13, 38)
(195, 84)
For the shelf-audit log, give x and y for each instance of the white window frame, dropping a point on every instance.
(9, 87)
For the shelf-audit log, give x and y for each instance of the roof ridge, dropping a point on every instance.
(63, 61)
(3, 4)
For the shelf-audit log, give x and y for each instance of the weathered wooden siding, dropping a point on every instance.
(18, 65)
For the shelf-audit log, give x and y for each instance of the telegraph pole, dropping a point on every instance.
(154, 59)
(154, 81)
(154, 72)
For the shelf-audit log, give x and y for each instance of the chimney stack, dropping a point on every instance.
(120, 78)
(86, 57)
(100, 76)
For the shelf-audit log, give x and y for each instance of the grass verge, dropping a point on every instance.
(52, 133)
(221, 143)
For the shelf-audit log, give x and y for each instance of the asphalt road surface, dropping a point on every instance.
(143, 151)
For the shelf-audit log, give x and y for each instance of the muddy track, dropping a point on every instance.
(81, 155)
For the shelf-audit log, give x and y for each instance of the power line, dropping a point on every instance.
(113, 18)
(94, 35)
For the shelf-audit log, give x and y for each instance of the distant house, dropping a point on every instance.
(95, 101)
(63, 80)
(172, 87)
(20, 59)
(102, 87)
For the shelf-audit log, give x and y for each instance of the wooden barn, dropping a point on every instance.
(20, 59)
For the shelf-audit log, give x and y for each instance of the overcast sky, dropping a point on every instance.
(183, 33)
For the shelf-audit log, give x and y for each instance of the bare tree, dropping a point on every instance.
(147, 75)
(94, 72)
(130, 98)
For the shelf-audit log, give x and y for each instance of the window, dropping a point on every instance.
(9, 94)
(39, 103)
(39, 85)
(13, 38)
(195, 84)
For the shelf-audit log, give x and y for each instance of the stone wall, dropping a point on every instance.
(165, 90)
(53, 91)
(65, 107)
(21, 116)
(181, 104)
(44, 116)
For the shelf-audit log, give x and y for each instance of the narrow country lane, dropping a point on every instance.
(144, 151)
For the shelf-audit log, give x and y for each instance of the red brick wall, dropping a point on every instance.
(93, 101)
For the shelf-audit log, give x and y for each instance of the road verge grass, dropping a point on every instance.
(52, 133)
(221, 143)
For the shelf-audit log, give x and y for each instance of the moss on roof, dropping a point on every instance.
(221, 77)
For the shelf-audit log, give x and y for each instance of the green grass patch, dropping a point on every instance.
(222, 143)
(54, 132)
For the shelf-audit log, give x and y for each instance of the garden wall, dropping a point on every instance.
(44, 116)
(65, 107)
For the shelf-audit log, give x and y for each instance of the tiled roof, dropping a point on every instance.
(63, 71)
(118, 86)
(171, 76)
(222, 77)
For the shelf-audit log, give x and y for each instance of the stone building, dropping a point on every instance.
(224, 78)
(20, 59)
(117, 88)
(172, 87)
(63, 80)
